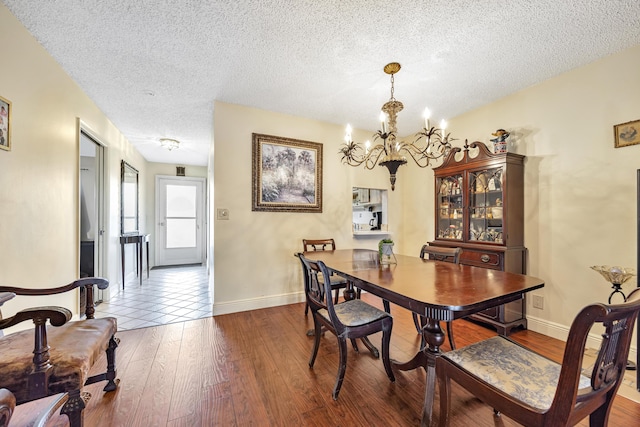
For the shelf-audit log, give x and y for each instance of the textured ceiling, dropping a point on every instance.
(155, 67)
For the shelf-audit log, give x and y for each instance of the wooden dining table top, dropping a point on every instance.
(436, 289)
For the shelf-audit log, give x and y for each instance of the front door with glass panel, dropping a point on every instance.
(180, 220)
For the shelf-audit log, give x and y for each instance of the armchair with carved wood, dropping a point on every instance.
(57, 354)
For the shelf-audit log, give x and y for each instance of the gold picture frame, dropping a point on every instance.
(287, 175)
(5, 124)
(627, 134)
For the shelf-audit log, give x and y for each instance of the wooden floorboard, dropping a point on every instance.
(251, 368)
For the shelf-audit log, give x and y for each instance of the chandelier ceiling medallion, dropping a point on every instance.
(429, 145)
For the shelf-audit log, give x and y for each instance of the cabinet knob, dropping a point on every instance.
(485, 258)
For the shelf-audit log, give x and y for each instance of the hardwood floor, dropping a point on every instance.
(251, 368)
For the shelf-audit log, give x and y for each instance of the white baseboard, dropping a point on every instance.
(257, 303)
(561, 332)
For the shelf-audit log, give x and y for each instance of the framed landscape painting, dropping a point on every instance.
(287, 174)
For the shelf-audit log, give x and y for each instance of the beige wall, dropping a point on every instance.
(580, 196)
(39, 229)
(253, 251)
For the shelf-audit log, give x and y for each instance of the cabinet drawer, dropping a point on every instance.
(481, 259)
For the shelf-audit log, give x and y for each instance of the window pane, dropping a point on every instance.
(181, 233)
(181, 201)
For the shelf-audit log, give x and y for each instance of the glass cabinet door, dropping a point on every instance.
(450, 207)
(485, 205)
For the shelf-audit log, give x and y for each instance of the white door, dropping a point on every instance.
(180, 222)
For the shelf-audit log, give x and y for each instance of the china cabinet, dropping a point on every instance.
(479, 207)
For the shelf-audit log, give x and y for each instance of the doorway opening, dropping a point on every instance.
(91, 215)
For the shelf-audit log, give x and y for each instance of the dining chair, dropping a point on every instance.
(337, 282)
(535, 391)
(347, 320)
(440, 254)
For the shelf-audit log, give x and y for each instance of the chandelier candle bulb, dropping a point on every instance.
(347, 136)
(443, 126)
(427, 115)
(382, 120)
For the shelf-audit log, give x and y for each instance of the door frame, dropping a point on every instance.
(202, 213)
(100, 251)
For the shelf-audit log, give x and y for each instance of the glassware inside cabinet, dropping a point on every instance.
(451, 213)
(485, 205)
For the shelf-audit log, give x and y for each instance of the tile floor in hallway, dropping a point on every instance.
(169, 295)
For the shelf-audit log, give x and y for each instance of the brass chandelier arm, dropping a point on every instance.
(351, 157)
(436, 146)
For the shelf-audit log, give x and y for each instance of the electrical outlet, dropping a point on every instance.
(538, 301)
(222, 213)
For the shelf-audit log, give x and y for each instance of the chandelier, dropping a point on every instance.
(169, 144)
(429, 144)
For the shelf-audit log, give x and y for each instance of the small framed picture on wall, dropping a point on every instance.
(627, 134)
(5, 124)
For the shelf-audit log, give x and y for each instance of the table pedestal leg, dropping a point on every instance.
(434, 337)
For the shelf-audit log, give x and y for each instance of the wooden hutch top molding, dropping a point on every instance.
(483, 154)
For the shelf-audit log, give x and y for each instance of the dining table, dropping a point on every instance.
(435, 290)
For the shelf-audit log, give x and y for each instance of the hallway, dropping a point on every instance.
(169, 295)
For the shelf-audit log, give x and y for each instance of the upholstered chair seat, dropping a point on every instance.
(516, 371)
(74, 349)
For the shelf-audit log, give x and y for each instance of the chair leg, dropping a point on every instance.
(354, 343)
(342, 368)
(386, 360)
(112, 382)
(444, 387)
(416, 323)
(316, 341)
(306, 308)
(372, 348)
(452, 342)
(600, 417)
(387, 308)
(74, 406)
(110, 374)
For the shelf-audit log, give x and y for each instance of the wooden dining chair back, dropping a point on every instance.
(337, 283)
(347, 320)
(535, 391)
(318, 245)
(438, 253)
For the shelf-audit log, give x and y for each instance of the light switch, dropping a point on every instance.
(222, 213)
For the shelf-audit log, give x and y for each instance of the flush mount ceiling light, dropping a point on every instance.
(170, 144)
(430, 143)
